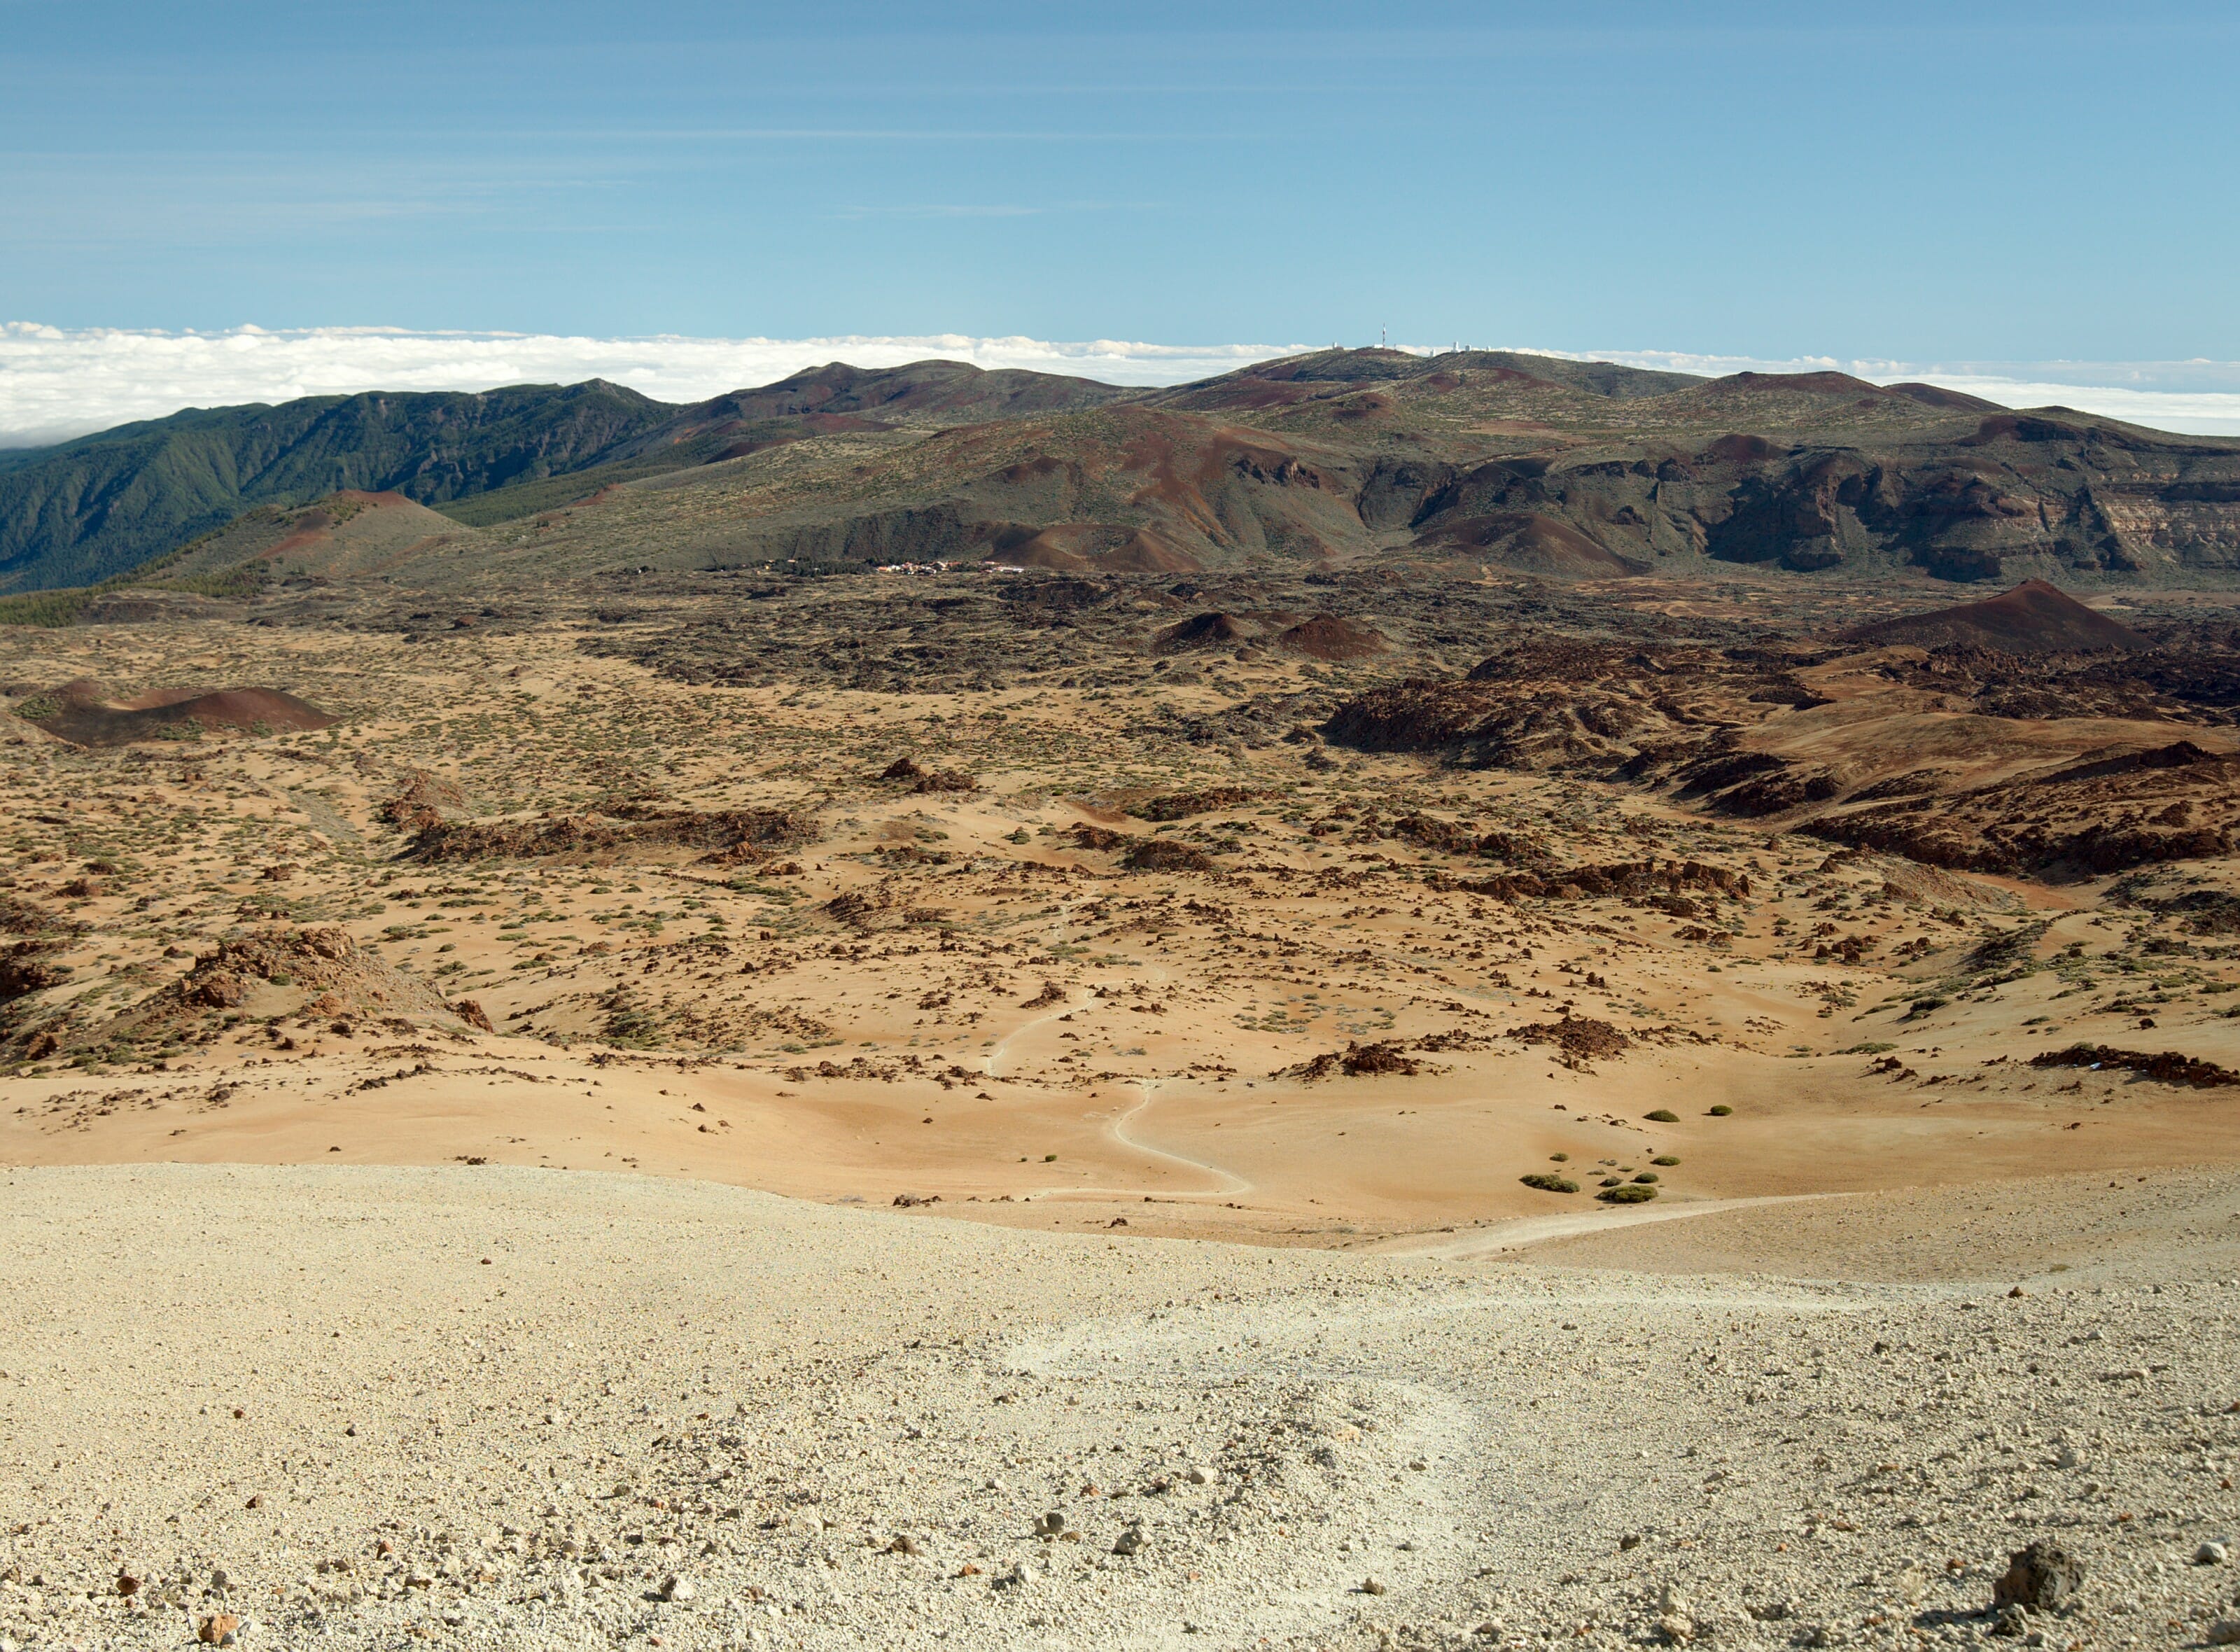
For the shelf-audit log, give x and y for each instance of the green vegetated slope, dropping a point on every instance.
(346, 534)
(90, 509)
(86, 510)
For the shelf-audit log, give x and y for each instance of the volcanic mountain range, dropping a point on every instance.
(1452, 465)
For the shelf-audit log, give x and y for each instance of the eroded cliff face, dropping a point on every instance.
(2016, 494)
(2000, 499)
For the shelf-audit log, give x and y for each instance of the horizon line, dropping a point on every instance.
(60, 384)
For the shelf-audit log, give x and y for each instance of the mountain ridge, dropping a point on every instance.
(1462, 462)
(96, 507)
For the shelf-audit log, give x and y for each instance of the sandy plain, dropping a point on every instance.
(1004, 1014)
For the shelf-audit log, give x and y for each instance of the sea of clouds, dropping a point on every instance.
(58, 383)
(2196, 397)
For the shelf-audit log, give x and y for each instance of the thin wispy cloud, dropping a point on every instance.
(880, 134)
(57, 383)
(930, 209)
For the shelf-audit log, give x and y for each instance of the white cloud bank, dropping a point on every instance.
(56, 382)
(2196, 397)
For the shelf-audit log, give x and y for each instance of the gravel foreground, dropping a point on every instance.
(507, 1408)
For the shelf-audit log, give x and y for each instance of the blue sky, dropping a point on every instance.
(2032, 202)
(1992, 182)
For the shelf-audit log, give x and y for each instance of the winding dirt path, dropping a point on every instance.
(1231, 1183)
(1532, 1231)
(1227, 1183)
(988, 1062)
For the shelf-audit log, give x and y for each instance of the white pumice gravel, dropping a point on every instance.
(688, 1416)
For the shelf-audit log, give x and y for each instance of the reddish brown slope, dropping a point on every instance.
(88, 715)
(2035, 617)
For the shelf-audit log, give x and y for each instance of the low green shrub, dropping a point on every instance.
(52, 608)
(1547, 1183)
(1663, 1116)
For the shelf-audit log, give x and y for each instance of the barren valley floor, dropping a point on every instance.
(1228, 955)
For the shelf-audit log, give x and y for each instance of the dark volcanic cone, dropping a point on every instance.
(2034, 617)
(1200, 630)
(1326, 637)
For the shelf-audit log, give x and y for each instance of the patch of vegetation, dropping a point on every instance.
(1721, 1111)
(243, 580)
(559, 492)
(1630, 1193)
(1662, 1116)
(1547, 1183)
(50, 609)
(630, 1026)
(1664, 1159)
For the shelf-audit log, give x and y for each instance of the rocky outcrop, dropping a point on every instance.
(725, 836)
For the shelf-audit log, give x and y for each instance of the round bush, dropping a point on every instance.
(1559, 1158)
(1547, 1183)
(1721, 1111)
(1646, 1176)
(1664, 1159)
(1630, 1193)
(1663, 1116)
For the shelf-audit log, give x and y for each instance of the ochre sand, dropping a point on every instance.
(1280, 1163)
